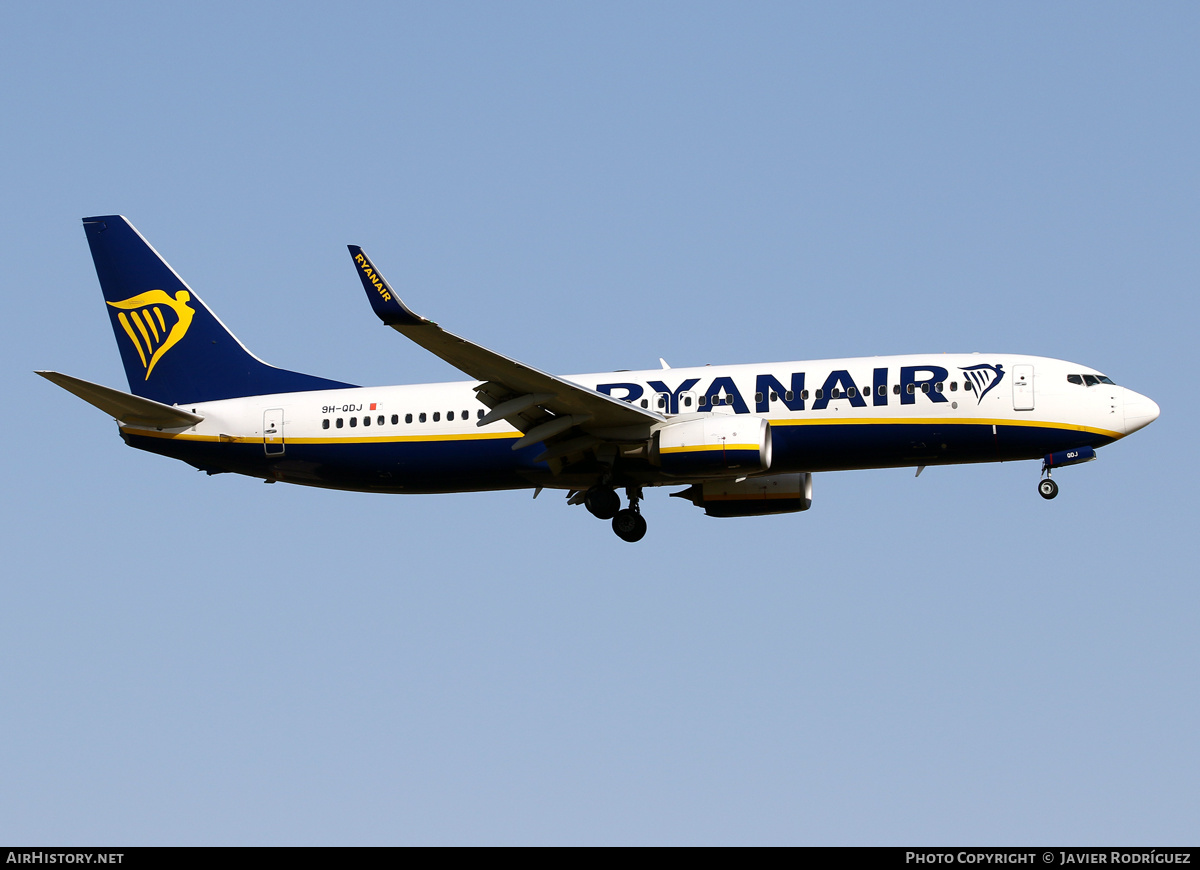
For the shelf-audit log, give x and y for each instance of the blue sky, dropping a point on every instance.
(947, 659)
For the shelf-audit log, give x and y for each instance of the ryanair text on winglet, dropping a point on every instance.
(365, 265)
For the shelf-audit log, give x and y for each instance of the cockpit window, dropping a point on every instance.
(1075, 379)
(1105, 380)
(1091, 380)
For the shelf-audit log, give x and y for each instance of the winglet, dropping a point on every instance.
(383, 298)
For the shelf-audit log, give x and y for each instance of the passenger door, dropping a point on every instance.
(1022, 388)
(273, 432)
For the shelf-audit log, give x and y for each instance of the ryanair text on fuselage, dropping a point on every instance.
(838, 385)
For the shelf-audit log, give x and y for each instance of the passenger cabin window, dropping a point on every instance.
(324, 424)
(788, 396)
(395, 419)
(687, 401)
(422, 417)
(353, 422)
(882, 390)
(437, 416)
(466, 415)
(774, 396)
(645, 403)
(702, 401)
(835, 393)
(449, 415)
(379, 419)
(339, 422)
(408, 418)
(939, 386)
(911, 389)
(820, 394)
(852, 392)
(953, 386)
(366, 421)
(758, 397)
(967, 386)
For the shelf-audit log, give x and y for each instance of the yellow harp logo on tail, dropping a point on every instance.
(142, 319)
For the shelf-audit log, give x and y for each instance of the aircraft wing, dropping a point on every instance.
(540, 405)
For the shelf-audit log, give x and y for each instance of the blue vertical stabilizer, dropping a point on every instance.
(174, 349)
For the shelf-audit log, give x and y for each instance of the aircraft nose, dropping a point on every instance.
(1139, 411)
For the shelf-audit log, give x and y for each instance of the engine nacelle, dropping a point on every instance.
(720, 444)
(754, 497)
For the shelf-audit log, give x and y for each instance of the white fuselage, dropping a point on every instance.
(825, 414)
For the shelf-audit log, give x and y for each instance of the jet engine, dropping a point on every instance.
(753, 497)
(726, 445)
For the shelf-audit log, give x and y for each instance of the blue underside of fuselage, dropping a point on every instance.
(457, 465)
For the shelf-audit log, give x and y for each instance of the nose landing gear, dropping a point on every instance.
(1047, 488)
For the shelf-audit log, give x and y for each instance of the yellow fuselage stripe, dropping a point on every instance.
(488, 436)
(940, 421)
(255, 439)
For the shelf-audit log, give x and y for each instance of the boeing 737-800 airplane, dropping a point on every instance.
(743, 440)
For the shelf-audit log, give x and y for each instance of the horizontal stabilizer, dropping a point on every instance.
(124, 407)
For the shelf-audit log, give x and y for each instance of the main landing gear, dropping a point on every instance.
(603, 503)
